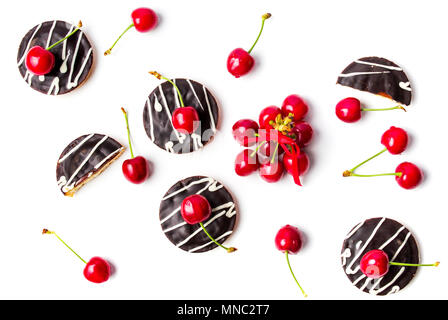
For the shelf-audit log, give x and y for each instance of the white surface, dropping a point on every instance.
(304, 47)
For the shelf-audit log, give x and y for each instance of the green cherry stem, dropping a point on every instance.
(129, 134)
(290, 269)
(159, 76)
(257, 148)
(414, 264)
(216, 242)
(275, 153)
(263, 19)
(66, 37)
(108, 51)
(385, 109)
(348, 173)
(351, 174)
(46, 231)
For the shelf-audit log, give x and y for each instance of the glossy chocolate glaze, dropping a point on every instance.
(384, 234)
(192, 238)
(160, 105)
(378, 76)
(73, 57)
(83, 157)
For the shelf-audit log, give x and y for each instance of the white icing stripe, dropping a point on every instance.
(54, 86)
(208, 180)
(64, 44)
(212, 120)
(98, 165)
(176, 99)
(359, 279)
(28, 45)
(391, 238)
(379, 65)
(405, 85)
(368, 280)
(401, 247)
(209, 243)
(84, 162)
(346, 254)
(150, 118)
(219, 215)
(375, 292)
(197, 141)
(50, 34)
(354, 230)
(75, 148)
(83, 66)
(175, 227)
(71, 84)
(349, 270)
(194, 92)
(352, 74)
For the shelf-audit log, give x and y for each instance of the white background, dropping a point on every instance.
(304, 47)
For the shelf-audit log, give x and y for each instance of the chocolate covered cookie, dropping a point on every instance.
(380, 234)
(220, 224)
(85, 158)
(159, 107)
(378, 76)
(73, 57)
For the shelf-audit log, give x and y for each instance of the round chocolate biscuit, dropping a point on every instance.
(73, 57)
(160, 105)
(220, 224)
(83, 159)
(378, 76)
(380, 234)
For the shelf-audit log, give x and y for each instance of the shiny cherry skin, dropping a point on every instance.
(245, 164)
(303, 133)
(349, 110)
(375, 264)
(39, 61)
(294, 104)
(411, 175)
(267, 149)
(267, 115)
(395, 140)
(271, 172)
(185, 120)
(195, 209)
(144, 19)
(303, 162)
(239, 62)
(97, 270)
(243, 130)
(289, 239)
(136, 170)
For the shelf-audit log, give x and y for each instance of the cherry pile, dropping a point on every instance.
(407, 174)
(277, 140)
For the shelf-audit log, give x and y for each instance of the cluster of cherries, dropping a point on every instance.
(407, 174)
(280, 133)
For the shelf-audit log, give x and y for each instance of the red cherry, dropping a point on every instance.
(136, 170)
(303, 132)
(267, 115)
(97, 270)
(395, 140)
(271, 172)
(375, 264)
(411, 175)
(144, 19)
(195, 209)
(267, 148)
(185, 120)
(294, 104)
(39, 61)
(245, 164)
(243, 130)
(239, 62)
(288, 239)
(349, 110)
(302, 159)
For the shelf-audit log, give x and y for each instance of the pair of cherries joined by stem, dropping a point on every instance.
(143, 20)
(289, 241)
(375, 264)
(349, 109)
(136, 169)
(40, 61)
(185, 119)
(97, 269)
(239, 61)
(196, 209)
(283, 123)
(407, 174)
